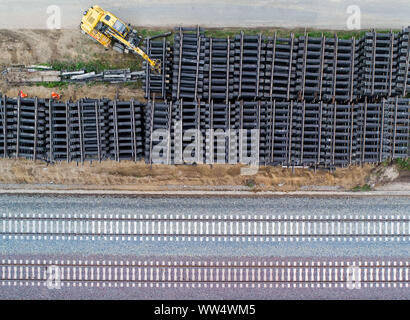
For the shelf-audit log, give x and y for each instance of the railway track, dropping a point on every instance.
(208, 273)
(181, 227)
(217, 253)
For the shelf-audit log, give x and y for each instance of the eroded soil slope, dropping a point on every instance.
(139, 176)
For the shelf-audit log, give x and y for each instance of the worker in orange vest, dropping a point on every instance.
(55, 95)
(22, 94)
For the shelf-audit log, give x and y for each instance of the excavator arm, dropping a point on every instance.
(155, 64)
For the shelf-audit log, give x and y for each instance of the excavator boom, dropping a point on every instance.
(155, 64)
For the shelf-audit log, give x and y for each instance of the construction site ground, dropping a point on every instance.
(64, 49)
(70, 48)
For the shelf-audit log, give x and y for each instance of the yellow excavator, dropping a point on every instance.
(105, 28)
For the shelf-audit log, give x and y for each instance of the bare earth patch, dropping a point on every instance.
(128, 175)
(45, 46)
(76, 91)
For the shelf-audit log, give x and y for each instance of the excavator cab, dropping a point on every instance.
(115, 24)
(120, 28)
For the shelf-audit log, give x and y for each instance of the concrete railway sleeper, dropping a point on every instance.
(294, 133)
(304, 68)
(71, 131)
(285, 133)
(206, 272)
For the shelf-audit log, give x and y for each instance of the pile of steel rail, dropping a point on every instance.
(111, 76)
(38, 74)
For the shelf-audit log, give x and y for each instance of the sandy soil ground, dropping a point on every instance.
(76, 91)
(45, 46)
(139, 176)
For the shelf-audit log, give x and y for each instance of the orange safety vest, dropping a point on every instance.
(55, 95)
(22, 94)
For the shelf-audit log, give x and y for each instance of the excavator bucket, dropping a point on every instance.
(157, 67)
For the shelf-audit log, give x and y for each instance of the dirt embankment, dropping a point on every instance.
(390, 176)
(139, 176)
